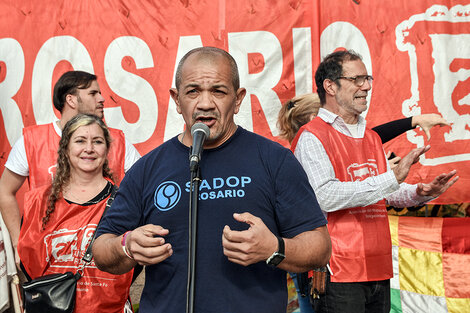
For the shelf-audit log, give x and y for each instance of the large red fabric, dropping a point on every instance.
(360, 237)
(417, 52)
(41, 144)
(60, 247)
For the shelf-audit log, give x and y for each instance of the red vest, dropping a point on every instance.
(60, 247)
(41, 144)
(360, 237)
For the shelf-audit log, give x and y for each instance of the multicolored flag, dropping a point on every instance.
(431, 260)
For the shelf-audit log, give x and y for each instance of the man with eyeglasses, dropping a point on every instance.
(348, 170)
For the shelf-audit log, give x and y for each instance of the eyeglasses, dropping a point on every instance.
(359, 80)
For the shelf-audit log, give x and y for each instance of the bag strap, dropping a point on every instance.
(88, 253)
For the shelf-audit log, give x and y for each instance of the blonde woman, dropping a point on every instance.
(59, 219)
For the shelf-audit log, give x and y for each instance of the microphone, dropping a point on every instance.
(199, 132)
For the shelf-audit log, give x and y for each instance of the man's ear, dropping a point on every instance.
(241, 93)
(71, 101)
(174, 96)
(330, 87)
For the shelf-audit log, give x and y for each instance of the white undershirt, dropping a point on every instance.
(18, 163)
(353, 129)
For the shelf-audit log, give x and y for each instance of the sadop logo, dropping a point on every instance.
(167, 195)
(219, 188)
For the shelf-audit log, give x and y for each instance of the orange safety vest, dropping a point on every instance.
(360, 237)
(61, 246)
(41, 143)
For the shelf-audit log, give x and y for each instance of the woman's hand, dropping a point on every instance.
(428, 121)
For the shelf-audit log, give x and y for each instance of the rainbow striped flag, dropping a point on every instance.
(431, 264)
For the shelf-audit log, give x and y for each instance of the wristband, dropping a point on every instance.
(123, 244)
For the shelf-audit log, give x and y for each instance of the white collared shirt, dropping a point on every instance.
(332, 194)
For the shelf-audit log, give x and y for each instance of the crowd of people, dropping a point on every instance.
(263, 210)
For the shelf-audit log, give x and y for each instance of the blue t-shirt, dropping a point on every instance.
(248, 173)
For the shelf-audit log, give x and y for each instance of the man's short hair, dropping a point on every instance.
(68, 84)
(331, 68)
(210, 52)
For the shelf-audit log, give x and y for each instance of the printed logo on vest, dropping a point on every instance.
(67, 247)
(167, 195)
(51, 170)
(359, 172)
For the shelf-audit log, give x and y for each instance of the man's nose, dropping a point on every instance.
(100, 98)
(206, 101)
(367, 85)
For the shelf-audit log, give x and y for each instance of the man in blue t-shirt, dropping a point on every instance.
(257, 214)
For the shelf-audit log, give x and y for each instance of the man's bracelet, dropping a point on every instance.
(123, 244)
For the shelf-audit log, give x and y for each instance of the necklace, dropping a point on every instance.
(98, 198)
(102, 195)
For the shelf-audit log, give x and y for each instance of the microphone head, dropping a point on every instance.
(200, 127)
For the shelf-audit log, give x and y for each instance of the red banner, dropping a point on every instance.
(417, 51)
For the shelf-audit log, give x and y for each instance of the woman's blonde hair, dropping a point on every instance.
(62, 176)
(295, 113)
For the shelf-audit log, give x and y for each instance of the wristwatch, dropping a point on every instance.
(278, 256)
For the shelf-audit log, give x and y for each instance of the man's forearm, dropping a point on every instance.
(109, 256)
(335, 195)
(10, 183)
(11, 216)
(406, 196)
(306, 251)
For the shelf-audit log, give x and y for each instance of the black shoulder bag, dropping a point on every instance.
(55, 293)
